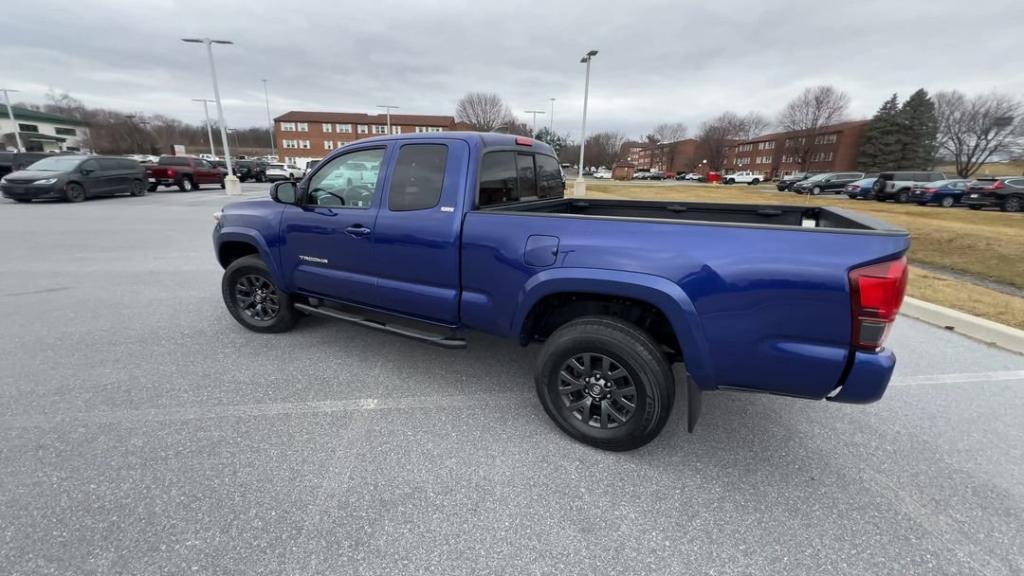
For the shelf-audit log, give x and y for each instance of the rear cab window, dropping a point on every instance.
(418, 177)
(508, 176)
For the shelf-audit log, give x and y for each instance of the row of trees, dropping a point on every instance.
(115, 132)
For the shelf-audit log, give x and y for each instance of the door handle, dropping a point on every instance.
(358, 231)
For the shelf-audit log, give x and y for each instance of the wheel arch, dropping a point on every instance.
(553, 297)
(235, 243)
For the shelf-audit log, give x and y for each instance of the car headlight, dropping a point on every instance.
(46, 181)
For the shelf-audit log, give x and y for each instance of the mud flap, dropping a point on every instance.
(693, 395)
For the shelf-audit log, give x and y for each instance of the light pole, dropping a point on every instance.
(388, 108)
(231, 184)
(238, 143)
(534, 112)
(10, 114)
(209, 127)
(266, 95)
(580, 188)
(551, 119)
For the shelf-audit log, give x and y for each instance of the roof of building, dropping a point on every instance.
(823, 130)
(27, 114)
(358, 118)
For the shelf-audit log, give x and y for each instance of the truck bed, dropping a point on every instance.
(809, 218)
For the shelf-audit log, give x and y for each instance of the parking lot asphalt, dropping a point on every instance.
(142, 431)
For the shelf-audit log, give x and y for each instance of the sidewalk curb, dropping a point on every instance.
(978, 328)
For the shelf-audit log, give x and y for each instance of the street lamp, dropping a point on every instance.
(551, 119)
(534, 112)
(388, 108)
(209, 127)
(580, 188)
(231, 184)
(266, 95)
(10, 114)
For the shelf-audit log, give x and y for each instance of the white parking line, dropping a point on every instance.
(958, 378)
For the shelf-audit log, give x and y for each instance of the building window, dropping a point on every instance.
(287, 126)
(302, 126)
(28, 128)
(304, 144)
(343, 128)
(378, 129)
(65, 131)
(328, 145)
(327, 127)
(363, 129)
(396, 129)
(826, 139)
(290, 143)
(435, 129)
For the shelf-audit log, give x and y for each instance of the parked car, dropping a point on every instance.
(603, 174)
(827, 182)
(786, 182)
(692, 176)
(250, 170)
(649, 175)
(75, 178)
(276, 171)
(898, 185)
(744, 177)
(860, 189)
(14, 161)
(473, 232)
(187, 173)
(1005, 193)
(945, 193)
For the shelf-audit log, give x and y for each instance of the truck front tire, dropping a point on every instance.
(253, 299)
(605, 382)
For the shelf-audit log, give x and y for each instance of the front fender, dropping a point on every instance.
(254, 238)
(659, 292)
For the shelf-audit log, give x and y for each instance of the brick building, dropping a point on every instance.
(313, 135)
(835, 148)
(668, 157)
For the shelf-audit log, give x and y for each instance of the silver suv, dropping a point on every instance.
(898, 185)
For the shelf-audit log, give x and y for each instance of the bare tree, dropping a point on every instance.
(603, 149)
(754, 125)
(484, 111)
(717, 134)
(810, 112)
(973, 130)
(669, 131)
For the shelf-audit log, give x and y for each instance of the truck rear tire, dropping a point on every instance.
(253, 299)
(186, 185)
(605, 382)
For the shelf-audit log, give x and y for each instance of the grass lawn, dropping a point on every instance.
(984, 244)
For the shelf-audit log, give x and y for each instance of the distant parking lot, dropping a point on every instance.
(143, 431)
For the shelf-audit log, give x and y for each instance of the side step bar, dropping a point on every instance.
(435, 339)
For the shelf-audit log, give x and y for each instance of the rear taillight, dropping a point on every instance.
(998, 185)
(876, 293)
(931, 190)
(854, 188)
(170, 172)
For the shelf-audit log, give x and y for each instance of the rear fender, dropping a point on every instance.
(659, 292)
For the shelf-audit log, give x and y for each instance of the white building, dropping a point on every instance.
(41, 132)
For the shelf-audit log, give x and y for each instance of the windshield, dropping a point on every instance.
(56, 164)
(817, 178)
(276, 166)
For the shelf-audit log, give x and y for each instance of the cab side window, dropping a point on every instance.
(418, 177)
(347, 181)
(90, 165)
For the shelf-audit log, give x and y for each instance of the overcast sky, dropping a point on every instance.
(659, 61)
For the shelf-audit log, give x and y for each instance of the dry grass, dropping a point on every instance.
(985, 244)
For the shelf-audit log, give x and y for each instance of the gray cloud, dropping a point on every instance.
(659, 61)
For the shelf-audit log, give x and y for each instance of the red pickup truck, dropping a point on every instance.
(185, 172)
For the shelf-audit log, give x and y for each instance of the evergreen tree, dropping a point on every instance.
(882, 148)
(919, 133)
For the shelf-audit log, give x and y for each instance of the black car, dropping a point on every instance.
(827, 183)
(75, 178)
(786, 182)
(14, 161)
(1006, 193)
(250, 170)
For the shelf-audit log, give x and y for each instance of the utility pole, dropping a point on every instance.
(231, 184)
(534, 112)
(551, 119)
(209, 127)
(10, 114)
(388, 108)
(270, 123)
(580, 188)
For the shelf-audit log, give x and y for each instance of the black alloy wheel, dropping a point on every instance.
(257, 297)
(597, 391)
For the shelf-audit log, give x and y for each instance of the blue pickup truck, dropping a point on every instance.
(435, 235)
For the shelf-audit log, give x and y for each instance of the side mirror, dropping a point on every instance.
(284, 192)
(86, 171)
